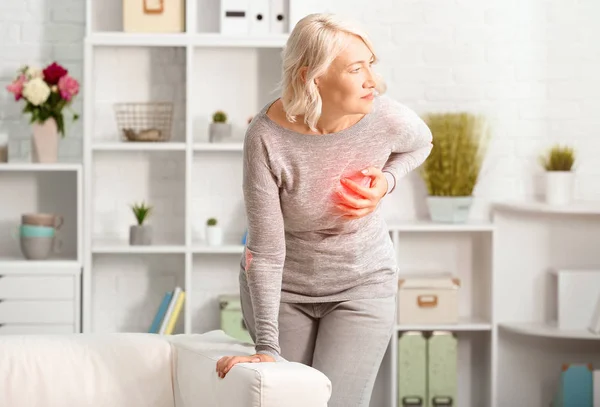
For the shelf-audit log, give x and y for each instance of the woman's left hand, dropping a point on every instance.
(368, 197)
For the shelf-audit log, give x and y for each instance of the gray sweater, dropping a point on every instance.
(298, 248)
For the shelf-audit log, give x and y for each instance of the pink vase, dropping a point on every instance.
(44, 142)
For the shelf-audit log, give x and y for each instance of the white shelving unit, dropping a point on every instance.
(528, 348)
(190, 180)
(41, 296)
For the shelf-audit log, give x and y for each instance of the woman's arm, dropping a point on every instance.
(265, 244)
(412, 142)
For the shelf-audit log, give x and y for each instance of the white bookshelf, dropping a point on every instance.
(202, 71)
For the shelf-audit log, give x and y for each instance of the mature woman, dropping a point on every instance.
(318, 278)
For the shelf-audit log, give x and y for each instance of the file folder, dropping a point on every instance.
(442, 361)
(412, 370)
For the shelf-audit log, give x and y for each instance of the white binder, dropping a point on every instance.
(259, 17)
(234, 17)
(279, 19)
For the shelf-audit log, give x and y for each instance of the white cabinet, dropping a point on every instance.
(39, 300)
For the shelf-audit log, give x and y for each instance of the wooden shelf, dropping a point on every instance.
(547, 330)
(429, 226)
(464, 324)
(139, 146)
(576, 208)
(121, 39)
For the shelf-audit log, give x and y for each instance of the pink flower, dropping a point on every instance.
(68, 87)
(17, 87)
(53, 73)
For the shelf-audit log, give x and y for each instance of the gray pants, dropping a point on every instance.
(344, 340)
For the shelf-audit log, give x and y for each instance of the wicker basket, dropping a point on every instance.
(144, 121)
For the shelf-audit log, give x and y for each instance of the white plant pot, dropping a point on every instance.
(214, 235)
(219, 131)
(449, 209)
(559, 187)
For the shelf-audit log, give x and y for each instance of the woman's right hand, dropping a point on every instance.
(225, 364)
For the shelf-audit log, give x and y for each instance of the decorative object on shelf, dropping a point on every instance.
(575, 294)
(575, 386)
(559, 175)
(214, 232)
(168, 312)
(46, 93)
(412, 369)
(231, 318)
(43, 219)
(245, 237)
(219, 128)
(3, 148)
(428, 299)
(154, 16)
(37, 242)
(140, 234)
(452, 169)
(151, 121)
(442, 369)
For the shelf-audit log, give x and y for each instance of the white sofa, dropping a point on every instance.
(148, 370)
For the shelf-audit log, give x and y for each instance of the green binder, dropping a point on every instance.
(412, 370)
(232, 321)
(442, 358)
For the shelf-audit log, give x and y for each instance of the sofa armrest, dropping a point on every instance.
(272, 384)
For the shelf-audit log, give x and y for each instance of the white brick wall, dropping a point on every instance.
(39, 32)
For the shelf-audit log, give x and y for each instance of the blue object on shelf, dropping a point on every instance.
(245, 237)
(575, 387)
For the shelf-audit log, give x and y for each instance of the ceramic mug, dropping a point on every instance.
(43, 219)
(33, 231)
(39, 248)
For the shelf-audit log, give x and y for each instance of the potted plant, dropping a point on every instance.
(140, 234)
(452, 169)
(219, 128)
(46, 94)
(559, 177)
(214, 232)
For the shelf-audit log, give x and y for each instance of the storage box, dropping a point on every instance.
(232, 322)
(154, 16)
(429, 299)
(576, 294)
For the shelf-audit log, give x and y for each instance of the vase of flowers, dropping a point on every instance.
(558, 164)
(46, 94)
(452, 169)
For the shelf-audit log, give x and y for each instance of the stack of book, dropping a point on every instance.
(168, 312)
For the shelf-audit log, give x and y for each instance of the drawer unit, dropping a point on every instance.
(40, 301)
(37, 287)
(36, 329)
(35, 312)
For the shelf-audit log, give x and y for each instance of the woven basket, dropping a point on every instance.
(144, 121)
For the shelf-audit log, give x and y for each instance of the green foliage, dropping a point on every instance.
(460, 142)
(52, 108)
(219, 117)
(141, 212)
(211, 222)
(558, 158)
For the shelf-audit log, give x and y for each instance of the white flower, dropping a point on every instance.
(36, 91)
(32, 72)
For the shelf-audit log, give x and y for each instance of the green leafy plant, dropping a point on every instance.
(558, 158)
(141, 212)
(460, 142)
(219, 117)
(211, 222)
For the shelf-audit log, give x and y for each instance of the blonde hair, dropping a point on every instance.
(315, 42)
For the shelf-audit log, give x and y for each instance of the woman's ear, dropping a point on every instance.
(303, 71)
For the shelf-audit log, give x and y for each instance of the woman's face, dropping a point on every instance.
(348, 85)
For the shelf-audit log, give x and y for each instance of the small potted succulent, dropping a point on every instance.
(214, 232)
(560, 176)
(219, 128)
(140, 234)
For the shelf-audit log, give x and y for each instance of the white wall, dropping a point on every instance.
(37, 32)
(529, 65)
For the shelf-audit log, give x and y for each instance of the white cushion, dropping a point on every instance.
(273, 384)
(116, 370)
